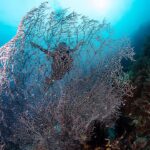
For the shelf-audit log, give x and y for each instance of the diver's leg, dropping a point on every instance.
(50, 80)
(48, 83)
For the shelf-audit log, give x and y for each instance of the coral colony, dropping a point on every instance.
(60, 76)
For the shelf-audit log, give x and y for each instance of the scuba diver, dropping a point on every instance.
(62, 59)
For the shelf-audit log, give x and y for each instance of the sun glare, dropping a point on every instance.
(102, 5)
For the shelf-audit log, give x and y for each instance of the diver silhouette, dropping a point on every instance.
(62, 59)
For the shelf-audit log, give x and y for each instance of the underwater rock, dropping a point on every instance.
(124, 125)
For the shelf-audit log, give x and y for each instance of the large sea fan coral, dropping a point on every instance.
(92, 89)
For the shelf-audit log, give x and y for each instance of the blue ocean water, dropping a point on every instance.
(6, 32)
(136, 16)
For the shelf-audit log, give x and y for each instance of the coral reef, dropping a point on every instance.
(137, 108)
(62, 116)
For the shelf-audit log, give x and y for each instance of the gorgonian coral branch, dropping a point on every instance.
(93, 88)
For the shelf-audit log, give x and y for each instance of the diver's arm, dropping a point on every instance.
(42, 49)
(77, 46)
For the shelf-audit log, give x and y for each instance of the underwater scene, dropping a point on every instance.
(75, 75)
